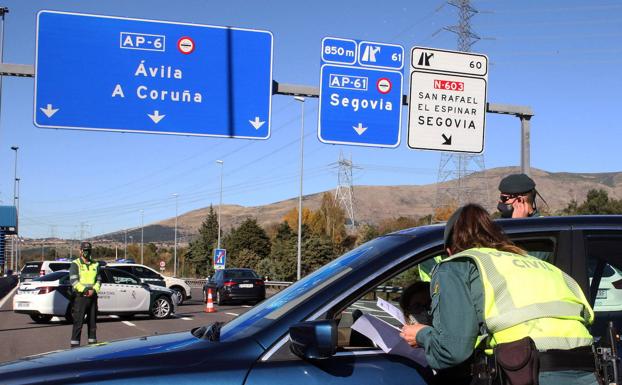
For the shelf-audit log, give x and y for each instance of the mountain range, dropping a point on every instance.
(372, 204)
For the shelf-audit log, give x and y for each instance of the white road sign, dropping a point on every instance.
(447, 108)
(464, 63)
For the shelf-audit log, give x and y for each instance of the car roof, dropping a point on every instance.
(533, 224)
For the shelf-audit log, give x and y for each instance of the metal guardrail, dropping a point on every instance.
(198, 283)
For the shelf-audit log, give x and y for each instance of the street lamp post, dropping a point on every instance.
(125, 247)
(142, 214)
(175, 248)
(14, 248)
(302, 143)
(222, 165)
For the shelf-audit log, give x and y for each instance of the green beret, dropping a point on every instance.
(516, 184)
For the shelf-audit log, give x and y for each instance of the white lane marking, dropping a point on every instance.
(55, 319)
(186, 318)
(6, 298)
(234, 314)
(128, 323)
(114, 316)
(246, 306)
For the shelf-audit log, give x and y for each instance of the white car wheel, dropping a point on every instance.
(162, 308)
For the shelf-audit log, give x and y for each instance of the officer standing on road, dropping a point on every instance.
(489, 294)
(518, 197)
(85, 279)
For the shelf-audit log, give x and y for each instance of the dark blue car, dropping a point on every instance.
(303, 336)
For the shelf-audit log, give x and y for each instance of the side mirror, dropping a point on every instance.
(314, 339)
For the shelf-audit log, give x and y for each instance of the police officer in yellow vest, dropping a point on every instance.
(490, 296)
(85, 279)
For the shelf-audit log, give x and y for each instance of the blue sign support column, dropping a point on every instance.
(118, 74)
(360, 93)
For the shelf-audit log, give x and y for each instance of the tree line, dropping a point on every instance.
(272, 251)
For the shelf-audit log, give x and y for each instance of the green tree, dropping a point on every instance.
(198, 257)
(596, 202)
(281, 264)
(317, 250)
(247, 244)
(366, 233)
(329, 220)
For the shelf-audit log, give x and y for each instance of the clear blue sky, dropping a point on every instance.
(562, 58)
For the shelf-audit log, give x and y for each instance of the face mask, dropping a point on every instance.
(87, 255)
(505, 209)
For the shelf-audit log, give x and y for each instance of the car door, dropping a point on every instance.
(123, 292)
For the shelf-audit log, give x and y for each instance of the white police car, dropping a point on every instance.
(148, 275)
(121, 293)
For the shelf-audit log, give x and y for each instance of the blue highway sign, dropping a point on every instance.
(118, 74)
(360, 93)
(220, 258)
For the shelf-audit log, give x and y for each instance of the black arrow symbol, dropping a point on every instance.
(447, 140)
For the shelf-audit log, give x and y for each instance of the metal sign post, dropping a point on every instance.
(447, 106)
(119, 74)
(360, 93)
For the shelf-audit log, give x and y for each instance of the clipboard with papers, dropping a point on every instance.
(387, 336)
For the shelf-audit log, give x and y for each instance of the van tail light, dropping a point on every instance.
(259, 282)
(617, 284)
(46, 289)
(41, 273)
(230, 283)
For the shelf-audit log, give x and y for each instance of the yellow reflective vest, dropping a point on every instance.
(85, 276)
(525, 296)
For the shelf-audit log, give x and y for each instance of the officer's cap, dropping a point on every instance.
(449, 227)
(516, 184)
(86, 246)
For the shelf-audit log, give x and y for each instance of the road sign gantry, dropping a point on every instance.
(360, 93)
(119, 74)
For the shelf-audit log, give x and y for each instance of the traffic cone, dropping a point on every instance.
(209, 307)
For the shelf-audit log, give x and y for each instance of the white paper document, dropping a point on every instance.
(387, 337)
(391, 310)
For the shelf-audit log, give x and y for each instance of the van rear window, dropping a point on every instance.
(31, 268)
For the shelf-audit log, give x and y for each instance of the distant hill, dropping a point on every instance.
(376, 203)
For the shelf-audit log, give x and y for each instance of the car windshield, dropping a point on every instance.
(279, 304)
(31, 268)
(52, 276)
(239, 274)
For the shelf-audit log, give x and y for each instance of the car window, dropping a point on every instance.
(281, 303)
(240, 274)
(121, 277)
(53, 277)
(412, 282)
(143, 272)
(31, 268)
(541, 248)
(218, 275)
(127, 269)
(59, 266)
(604, 268)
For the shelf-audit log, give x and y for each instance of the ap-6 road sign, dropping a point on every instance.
(117, 74)
(360, 93)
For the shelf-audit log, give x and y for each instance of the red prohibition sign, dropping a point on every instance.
(185, 45)
(383, 85)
